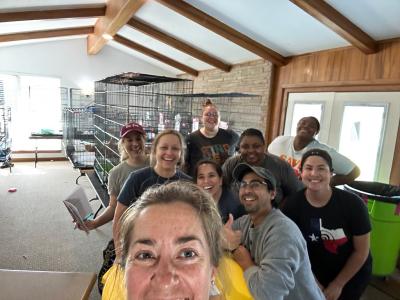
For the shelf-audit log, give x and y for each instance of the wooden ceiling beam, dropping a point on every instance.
(84, 12)
(223, 30)
(118, 13)
(334, 20)
(155, 55)
(177, 44)
(31, 35)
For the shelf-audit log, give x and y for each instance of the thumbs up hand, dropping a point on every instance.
(231, 238)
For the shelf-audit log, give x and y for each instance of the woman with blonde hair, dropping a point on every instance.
(171, 243)
(132, 157)
(210, 141)
(167, 152)
(131, 147)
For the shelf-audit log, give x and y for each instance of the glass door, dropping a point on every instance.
(361, 137)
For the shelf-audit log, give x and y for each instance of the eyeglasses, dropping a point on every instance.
(254, 184)
(211, 114)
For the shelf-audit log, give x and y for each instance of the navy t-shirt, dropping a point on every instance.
(140, 180)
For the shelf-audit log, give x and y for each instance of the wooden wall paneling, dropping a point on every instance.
(346, 64)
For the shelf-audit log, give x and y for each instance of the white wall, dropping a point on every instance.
(69, 61)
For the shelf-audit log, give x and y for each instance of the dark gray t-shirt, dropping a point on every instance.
(286, 181)
(218, 148)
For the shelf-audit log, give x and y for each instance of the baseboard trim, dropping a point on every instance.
(33, 151)
(28, 159)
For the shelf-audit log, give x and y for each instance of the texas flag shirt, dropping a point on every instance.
(331, 239)
(329, 230)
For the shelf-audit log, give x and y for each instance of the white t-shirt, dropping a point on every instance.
(282, 146)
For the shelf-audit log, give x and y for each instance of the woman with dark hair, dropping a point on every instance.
(291, 149)
(210, 141)
(252, 151)
(208, 176)
(336, 226)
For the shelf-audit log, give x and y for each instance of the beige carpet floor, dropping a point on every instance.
(36, 231)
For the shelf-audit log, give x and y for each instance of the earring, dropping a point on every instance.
(214, 290)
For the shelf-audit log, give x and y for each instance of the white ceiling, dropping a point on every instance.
(277, 24)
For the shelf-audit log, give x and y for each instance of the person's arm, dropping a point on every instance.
(352, 266)
(338, 179)
(273, 147)
(106, 216)
(242, 256)
(346, 171)
(119, 210)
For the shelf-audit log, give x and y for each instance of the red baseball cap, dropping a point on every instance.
(131, 127)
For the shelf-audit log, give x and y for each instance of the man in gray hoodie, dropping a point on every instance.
(266, 244)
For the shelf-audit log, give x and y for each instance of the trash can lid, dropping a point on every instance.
(375, 191)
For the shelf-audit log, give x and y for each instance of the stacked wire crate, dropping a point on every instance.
(5, 138)
(155, 102)
(158, 103)
(238, 111)
(78, 136)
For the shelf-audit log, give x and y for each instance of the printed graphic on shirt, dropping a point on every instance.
(295, 163)
(331, 238)
(218, 152)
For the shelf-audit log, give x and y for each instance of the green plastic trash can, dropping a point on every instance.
(383, 201)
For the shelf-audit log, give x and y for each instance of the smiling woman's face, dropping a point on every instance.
(208, 179)
(169, 257)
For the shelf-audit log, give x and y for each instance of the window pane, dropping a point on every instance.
(361, 136)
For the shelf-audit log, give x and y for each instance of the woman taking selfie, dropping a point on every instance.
(336, 226)
(162, 256)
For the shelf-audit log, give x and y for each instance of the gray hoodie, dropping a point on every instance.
(283, 269)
